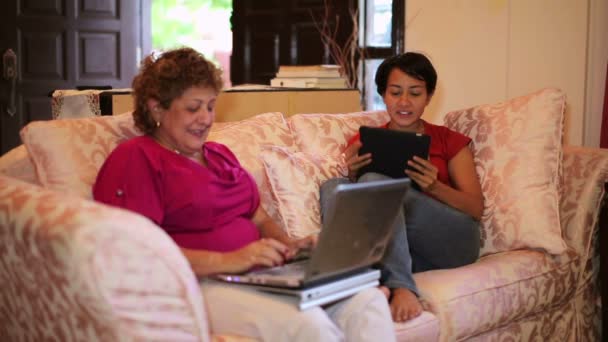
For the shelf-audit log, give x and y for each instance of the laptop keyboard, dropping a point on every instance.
(291, 269)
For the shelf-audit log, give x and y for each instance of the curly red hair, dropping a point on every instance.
(166, 78)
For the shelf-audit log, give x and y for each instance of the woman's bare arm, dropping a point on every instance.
(466, 194)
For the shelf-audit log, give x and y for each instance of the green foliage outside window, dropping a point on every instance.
(168, 31)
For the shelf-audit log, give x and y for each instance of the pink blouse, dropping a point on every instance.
(207, 208)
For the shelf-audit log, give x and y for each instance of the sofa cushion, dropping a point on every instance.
(422, 328)
(517, 146)
(247, 138)
(294, 178)
(68, 153)
(497, 290)
(17, 163)
(328, 134)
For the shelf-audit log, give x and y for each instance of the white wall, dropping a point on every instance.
(487, 51)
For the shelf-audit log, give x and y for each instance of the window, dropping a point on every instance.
(382, 35)
(177, 23)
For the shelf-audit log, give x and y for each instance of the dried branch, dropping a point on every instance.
(347, 55)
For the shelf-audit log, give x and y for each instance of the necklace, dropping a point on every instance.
(164, 145)
(197, 157)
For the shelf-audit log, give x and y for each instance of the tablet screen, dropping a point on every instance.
(391, 150)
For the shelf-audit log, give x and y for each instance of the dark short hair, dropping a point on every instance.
(413, 64)
(167, 77)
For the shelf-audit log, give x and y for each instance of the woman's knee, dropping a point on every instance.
(313, 325)
(474, 239)
(366, 317)
(467, 243)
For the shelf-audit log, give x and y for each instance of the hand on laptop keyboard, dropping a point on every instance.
(266, 252)
(302, 254)
(301, 248)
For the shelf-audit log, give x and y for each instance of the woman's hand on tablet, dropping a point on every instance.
(354, 161)
(424, 173)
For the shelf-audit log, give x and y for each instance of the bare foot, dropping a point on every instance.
(385, 291)
(404, 305)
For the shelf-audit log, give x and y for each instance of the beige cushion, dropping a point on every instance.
(68, 153)
(518, 153)
(17, 163)
(246, 138)
(328, 134)
(294, 179)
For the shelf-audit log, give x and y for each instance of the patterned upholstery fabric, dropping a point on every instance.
(585, 171)
(327, 135)
(498, 289)
(423, 328)
(68, 153)
(295, 178)
(247, 139)
(554, 324)
(72, 272)
(17, 163)
(517, 147)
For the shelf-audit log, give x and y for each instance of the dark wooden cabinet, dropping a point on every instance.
(62, 44)
(270, 33)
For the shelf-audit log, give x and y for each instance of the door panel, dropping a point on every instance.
(63, 44)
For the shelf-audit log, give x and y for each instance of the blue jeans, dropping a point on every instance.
(436, 236)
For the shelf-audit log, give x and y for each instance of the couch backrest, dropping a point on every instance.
(327, 134)
(67, 154)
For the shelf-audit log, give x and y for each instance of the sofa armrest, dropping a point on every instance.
(584, 173)
(74, 269)
(17, 163)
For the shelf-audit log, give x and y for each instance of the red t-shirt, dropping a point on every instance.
(200, 207)
(445, 144)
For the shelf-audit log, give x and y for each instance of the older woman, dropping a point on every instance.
(442, 228)
(197, 191)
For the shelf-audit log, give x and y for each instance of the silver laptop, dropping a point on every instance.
(355, 233)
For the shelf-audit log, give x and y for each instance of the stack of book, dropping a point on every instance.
(309, 76)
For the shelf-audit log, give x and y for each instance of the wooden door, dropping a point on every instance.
(62, 44)
(270, 33)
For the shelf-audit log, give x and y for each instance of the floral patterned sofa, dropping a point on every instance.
(72, 269)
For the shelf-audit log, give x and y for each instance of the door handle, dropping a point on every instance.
(9, 72)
